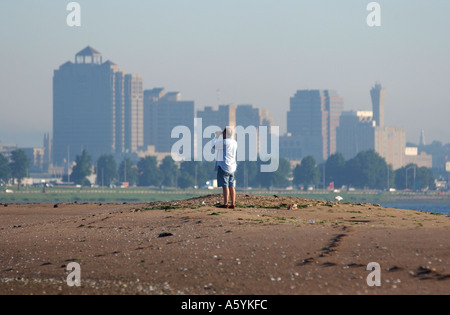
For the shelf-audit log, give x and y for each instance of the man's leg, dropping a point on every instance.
(225, 196)
(233, 196)
(221, 182)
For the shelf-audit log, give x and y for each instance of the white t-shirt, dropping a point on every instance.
(226, 153)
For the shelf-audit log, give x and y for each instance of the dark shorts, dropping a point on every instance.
(224, 179)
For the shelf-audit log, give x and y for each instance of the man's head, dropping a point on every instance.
(228, 132)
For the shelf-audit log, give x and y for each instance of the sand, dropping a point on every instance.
(192, 247)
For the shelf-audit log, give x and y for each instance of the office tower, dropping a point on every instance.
(162, 113)
(265, 118)
(378, 95)
(94, 109)
(390, 143)
(335, 106)
(314, 116)
(47, 151)
(247, 115)
(355, 133)
(251, 118)
(151, 98)
(223, 117)
(359, 131)
(291, 147)
(134, 113)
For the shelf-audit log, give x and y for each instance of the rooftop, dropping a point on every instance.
(89, 51)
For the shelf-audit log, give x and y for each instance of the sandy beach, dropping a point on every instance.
(193, 247)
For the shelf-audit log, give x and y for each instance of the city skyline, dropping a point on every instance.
(234, 52)
(101, 109)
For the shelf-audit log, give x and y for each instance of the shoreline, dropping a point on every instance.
(35, 195)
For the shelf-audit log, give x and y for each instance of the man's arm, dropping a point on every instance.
(217, 143)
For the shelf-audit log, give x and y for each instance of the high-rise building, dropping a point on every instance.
(355, 133)
(390, 143)
(95, 108)
(362, 130)
(238, 116)
(291, 147)
(134, 113)
(223, 117)
(314, 116)
(151, 99)
(378, 95)
(47, 151)
(247, 115)
(231, 115)
(162, 113)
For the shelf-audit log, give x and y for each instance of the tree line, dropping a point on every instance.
(366, 171)
(15, 168)
(148, 172)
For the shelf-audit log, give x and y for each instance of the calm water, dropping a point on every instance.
(426, 207)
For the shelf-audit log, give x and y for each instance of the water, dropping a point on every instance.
(440, 208)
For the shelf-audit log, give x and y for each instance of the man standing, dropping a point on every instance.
(226, 152)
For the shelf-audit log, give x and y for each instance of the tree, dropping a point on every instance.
(82, 169)
(247, 174)
(106, 170)
(170, 171)
(5, 170)
(19, 165)
(307, 172)
(186, 180)
(425, 179)
(334, 170)
(128, 172)
(197, 171)
(278, 178)
(210, 170)
(148, 172)
(193, 173)
(367, 170)
(413, 177)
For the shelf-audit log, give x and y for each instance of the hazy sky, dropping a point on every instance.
(256, 52)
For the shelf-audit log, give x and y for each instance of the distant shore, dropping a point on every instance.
(70, 194)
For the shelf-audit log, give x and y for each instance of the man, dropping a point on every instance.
(226, 152)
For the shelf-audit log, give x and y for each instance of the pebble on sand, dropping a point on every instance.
(164, 235)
